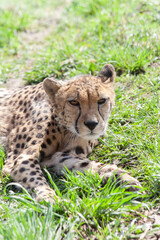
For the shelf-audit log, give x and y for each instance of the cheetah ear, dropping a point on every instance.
(107, 74)
(51, 87)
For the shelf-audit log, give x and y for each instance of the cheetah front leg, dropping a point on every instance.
(60, 160)
(25, 169)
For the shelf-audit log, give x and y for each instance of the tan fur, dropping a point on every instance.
(56, 124)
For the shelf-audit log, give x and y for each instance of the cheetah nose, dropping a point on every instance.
(91, 124)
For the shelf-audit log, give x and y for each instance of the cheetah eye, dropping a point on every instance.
(102, 100)
(74, 102)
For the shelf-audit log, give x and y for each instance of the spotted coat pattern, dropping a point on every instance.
(56, 124)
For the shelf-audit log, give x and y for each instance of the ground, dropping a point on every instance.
(65, 39)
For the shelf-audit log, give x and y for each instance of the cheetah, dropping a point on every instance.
(56, 124)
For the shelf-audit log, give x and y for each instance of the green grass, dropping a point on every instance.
(11, 23)
(89, 34)
(20, 19)
(85, 206)
(107, 33)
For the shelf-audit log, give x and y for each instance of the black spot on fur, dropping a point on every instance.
(17, 145)
(35, 162)
(79, 150)
(33, 173)
(48, 141)
(32, 179)
(40, 119)
(43, 145)
(68, 151)
(33, 112)
(39, 178)
(22, 146)
(39, 135)
(53, 130)
(38, 113)
(28, 139)
(47, 131)
(22, 170)
(19, 137)
(64, 159)
(32, 165)
(33, 142)
(25, 162)
(24, 129)
(49, 124)
(84, 164)
(39, 95)
(53, 137)
(15, 163)
(39, 127)
(15, 151)
(24, 136)
(24, 180)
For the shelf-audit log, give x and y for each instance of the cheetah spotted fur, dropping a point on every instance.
(55, 124)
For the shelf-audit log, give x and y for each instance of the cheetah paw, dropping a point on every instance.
(47, 195)
(114, 172)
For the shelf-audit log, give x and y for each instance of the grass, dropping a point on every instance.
(110, 35)
(89, 34)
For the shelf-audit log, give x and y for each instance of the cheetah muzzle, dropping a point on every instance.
(55, 124)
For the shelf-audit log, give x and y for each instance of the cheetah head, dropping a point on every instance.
(84, 103)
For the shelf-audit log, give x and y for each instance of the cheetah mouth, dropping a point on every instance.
(91, 136)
